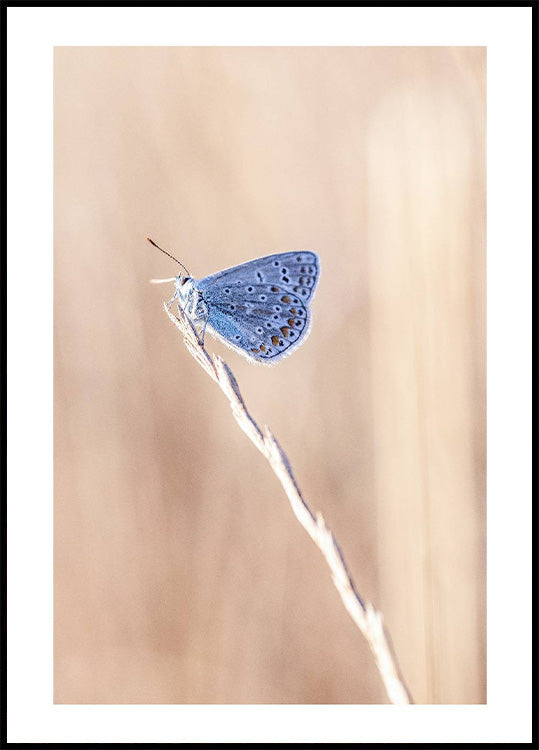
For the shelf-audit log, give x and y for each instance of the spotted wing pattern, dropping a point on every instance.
(260, 308)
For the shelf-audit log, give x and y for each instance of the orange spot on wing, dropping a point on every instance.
(274, 288)
(285, 299)
(284, 331)
(255, 351)
(275, 340)
(262, 348)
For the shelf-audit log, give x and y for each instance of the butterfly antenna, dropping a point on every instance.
(169, 255)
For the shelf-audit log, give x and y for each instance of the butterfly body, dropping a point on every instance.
(259, 308)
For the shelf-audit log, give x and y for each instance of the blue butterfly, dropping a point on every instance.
(259, 308)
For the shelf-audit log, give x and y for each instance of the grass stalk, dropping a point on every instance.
(366, 617)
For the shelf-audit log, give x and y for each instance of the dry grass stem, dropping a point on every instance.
(367, 619)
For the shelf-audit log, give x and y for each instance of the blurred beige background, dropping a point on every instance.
(181, 575)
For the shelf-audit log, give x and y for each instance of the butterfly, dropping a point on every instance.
(259, 308)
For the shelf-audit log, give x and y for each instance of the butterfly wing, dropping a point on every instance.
(297, 271)
(260, 308)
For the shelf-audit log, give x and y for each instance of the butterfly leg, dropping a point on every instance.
(201, 314)
(201, 338)
(171, 300)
